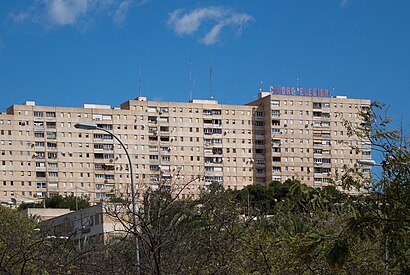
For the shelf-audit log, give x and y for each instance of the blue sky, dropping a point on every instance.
(70, 52)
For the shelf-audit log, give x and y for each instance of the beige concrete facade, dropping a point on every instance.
(305, 138)
(181, 145)
(44, 214)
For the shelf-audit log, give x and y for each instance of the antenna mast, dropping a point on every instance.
(210, 77)
(139, 81)
(190, 77)
(297, 84)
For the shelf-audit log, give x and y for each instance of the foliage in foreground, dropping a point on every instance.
(307, 231)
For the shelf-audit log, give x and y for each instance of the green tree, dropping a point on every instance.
(71, 202)
(16, 240)
(383, 214)
(26, 248)
(259, 199)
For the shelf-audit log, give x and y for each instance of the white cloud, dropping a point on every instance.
(189, 23)
(59, 13)
(121, 12)
(212, 36)
(66, 12)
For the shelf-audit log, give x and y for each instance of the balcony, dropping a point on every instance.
(165, 150)
(276, 142)
(40, 174)
(317, 105)
(213, 160)
(52, 146)
(276, 170)
(39, 155)
(326, 116)
(152, 132)
(260, 171)
(105, 166)
(165, 159)
(50, 115)
(51, 125)
(164, 129)
(51, 135)
(163, 120)
(152, 120)
(317, 143)
(276, 159)
(103, 147)
(317, 114)
(208, 122)
(326, 135)
(153, 139)
(275, 113)
(105, 126)
(276, 150)
(38, 127)
(102, 137)
(325, 124)
(52, 155)
(259, 123)
(276, 131)
(213, 112)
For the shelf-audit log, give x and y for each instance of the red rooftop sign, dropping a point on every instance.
(299, 91)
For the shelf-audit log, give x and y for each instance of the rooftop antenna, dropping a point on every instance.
(261, 86)
(139, 81)
(210, 77)
(190, 77)
(297, 84)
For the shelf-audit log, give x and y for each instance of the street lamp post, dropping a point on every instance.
(92, 126)
(371, 162)
(368, 162)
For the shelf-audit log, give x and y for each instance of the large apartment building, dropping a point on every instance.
(286, 133)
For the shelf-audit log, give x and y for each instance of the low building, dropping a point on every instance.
(44, 214)
(94, 223)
